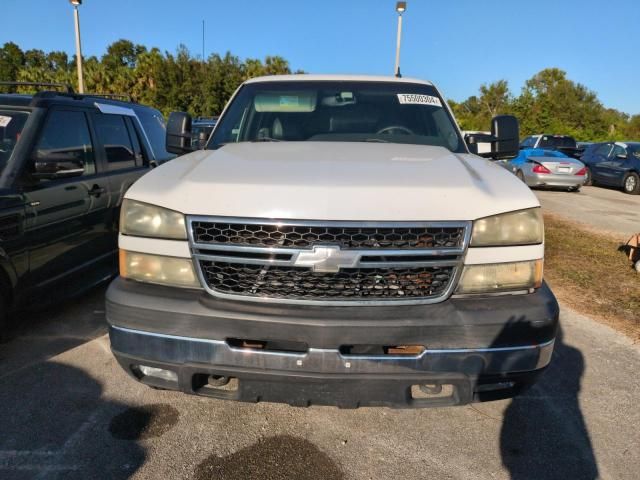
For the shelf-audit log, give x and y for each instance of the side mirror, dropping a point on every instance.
(504, 139)
(621, 156)
(179, 133)
(506, 131)
(48, 165)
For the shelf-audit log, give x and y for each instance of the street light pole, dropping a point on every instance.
(76, 17)
(400, 8)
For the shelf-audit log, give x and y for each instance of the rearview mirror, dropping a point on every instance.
(179, 133)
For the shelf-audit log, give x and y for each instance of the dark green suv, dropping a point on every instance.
(65, 162)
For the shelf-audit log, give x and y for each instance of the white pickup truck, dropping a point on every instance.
(335, 243)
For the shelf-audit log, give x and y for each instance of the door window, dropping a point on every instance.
(528, 142)
(64, 147)
(115, 139)
(618, 150)
(136, 142)
(603, 150)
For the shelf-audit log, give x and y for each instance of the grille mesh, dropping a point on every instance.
(348, 284)
(306, 236)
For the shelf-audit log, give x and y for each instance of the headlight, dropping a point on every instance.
(524, 227)
(499, 277)
(173, 271)
(144, 220)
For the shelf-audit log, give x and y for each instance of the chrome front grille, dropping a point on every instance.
(305, 236)
(321, 262)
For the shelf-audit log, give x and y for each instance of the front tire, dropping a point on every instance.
(631, 184)
(4, 319)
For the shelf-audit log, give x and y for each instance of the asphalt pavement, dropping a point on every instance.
(603, 209)
(68, 411)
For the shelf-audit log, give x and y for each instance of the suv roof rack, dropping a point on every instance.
(113, 96)
(65, 86)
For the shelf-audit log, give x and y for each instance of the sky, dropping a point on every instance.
(457, 44)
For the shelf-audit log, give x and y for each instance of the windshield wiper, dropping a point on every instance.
(266, 139)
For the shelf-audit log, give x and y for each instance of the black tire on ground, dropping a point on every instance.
(588, 180)
(4, 319)
(573, 189)
(631, 184)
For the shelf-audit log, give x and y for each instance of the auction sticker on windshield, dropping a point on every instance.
(4, 121)
(415, 99)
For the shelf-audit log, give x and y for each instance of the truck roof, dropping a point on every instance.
(346, 78)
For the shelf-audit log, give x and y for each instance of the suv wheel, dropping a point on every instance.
(631, 184)
(4, 319)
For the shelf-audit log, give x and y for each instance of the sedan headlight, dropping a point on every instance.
(500, 277)
(144, 220)
(172, 271)
(524, 227)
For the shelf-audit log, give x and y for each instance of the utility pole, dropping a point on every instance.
(76, 17)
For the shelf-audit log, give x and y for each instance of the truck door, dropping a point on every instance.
(65, 198)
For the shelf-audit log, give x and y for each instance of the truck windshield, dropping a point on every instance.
(338, 111)
(11, 125)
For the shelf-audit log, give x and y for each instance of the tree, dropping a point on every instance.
(11, 60)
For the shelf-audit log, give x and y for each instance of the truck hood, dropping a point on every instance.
(334, 181)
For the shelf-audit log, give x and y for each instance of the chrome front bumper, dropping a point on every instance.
(218, 353)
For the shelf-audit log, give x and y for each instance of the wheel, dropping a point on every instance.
(573, 189)
(588, 179)
(637, 266)
(631, 184)
(520, 175)
(4, 319)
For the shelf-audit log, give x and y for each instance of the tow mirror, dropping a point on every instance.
(504, 139)
(179, 133)
(506, 131)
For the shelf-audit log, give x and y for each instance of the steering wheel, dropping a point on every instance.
(391, 129)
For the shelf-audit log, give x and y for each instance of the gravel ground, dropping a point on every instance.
(603, 209)
(68, 411)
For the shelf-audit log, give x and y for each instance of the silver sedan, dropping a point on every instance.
(553, 172)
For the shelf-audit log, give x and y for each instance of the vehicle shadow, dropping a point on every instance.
(39, 334)
(55, 423)
(543, 434)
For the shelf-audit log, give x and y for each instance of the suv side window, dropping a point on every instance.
(114, 136)
(603, 150)
(618, 150)
(64, 145)
(156, 131)
(528, 142)
(135, 141)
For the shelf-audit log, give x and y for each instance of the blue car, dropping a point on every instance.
(615, 164)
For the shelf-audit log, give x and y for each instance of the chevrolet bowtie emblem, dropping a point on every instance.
(327, 259)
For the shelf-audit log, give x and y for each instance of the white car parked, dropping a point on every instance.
(335, 243)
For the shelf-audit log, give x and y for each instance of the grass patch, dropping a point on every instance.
(587, 272)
